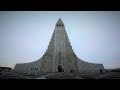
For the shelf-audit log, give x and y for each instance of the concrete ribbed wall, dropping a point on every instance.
(32, 68)
(91, 68)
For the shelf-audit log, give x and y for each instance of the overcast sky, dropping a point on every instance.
(94, 35)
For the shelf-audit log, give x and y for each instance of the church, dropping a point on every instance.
(59, 57)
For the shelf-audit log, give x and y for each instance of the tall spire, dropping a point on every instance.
(59, 22)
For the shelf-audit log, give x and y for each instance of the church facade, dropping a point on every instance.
(59, 57)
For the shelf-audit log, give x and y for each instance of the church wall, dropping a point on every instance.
(91, 68)
(46, 64)
(32, 68)
(59, 52)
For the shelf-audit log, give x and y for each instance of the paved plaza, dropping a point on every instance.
(62, 75)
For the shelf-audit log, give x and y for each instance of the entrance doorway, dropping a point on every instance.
(60, 69)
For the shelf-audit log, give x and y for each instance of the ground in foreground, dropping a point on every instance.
(62, 75)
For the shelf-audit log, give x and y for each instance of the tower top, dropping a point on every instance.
(59, 22)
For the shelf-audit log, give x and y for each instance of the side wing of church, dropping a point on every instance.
(59, 57)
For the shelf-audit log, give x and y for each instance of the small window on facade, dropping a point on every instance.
(57, 24)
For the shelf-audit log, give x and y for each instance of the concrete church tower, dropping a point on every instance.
(59, 53)
(59, 57)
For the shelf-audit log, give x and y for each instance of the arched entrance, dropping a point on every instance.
(60, 69)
